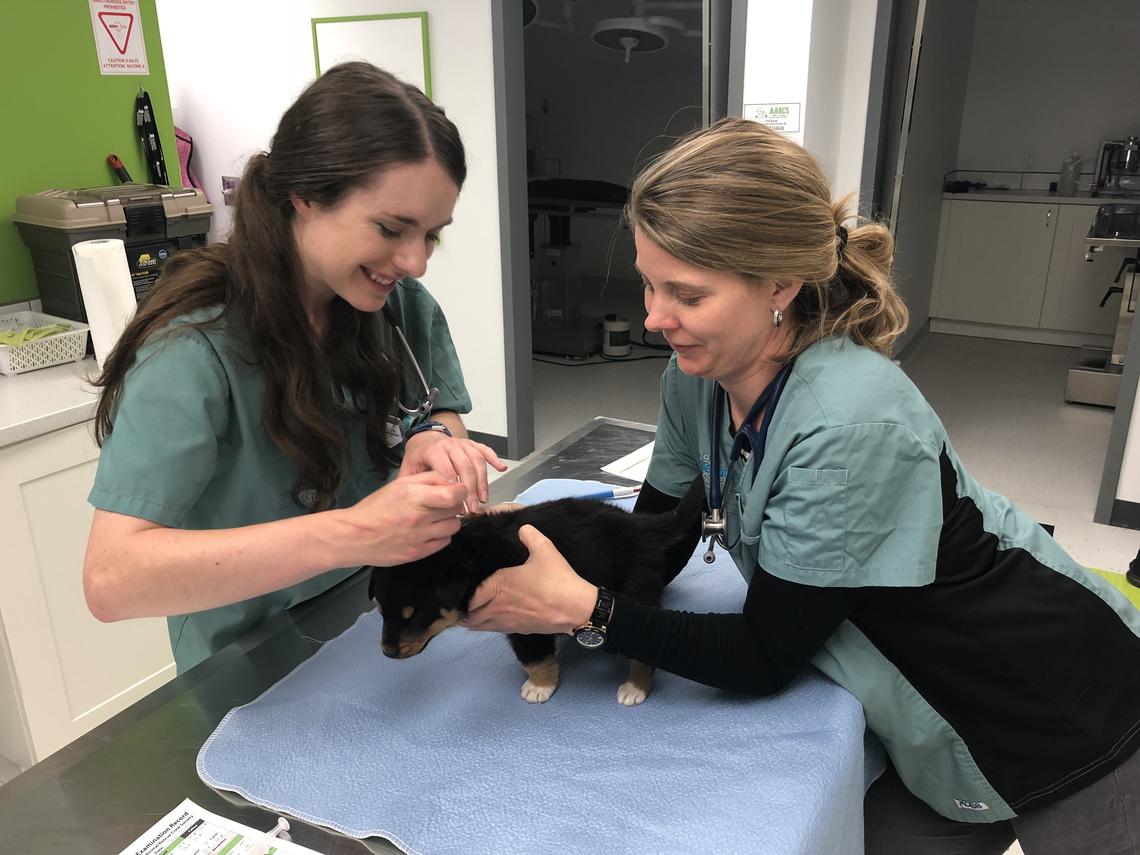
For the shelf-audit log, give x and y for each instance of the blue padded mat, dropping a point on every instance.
(439, 754)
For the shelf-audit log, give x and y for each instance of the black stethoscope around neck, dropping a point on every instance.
(713, 526)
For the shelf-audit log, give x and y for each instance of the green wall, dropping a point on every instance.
(60, 118)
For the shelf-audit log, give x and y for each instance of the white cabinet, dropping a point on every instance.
(1020, 266)
(61, 671)
(993, 262)
(1075, 286)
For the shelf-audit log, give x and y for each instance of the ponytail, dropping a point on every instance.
(740, 197)
(859, 300)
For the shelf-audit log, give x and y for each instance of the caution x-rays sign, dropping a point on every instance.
(118, 36)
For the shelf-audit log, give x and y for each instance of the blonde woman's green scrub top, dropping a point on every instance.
(188, 449)
(998, 672)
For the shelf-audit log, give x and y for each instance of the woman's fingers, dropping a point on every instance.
(446, 496)
(458, 459)
(483, 595)
(533, 540)
(472, 473)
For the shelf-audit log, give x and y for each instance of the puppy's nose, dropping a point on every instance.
(390, 649)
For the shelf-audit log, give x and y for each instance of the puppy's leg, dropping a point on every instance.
(536, 654)
(637, 688)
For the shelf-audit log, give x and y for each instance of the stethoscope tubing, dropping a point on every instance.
(713, 525)
(431, 393)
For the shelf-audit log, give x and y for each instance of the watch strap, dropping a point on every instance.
(603, 610)
(429, 424)
(592, 634)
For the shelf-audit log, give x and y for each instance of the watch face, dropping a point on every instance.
(590, 637)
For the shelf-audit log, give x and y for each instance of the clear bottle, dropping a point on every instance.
(1070, 174)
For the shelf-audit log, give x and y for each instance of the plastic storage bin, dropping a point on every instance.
(70, 346)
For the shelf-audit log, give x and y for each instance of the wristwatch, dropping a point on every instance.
(427, 425)
(592, 634)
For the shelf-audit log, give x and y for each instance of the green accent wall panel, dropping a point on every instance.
(60, 118)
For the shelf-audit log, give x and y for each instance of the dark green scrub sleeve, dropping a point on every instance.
(163, 447)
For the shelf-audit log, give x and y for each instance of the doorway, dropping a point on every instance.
(608, 87)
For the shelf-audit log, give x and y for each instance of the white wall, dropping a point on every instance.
(1128, 484)
(817, 54)
(1048, 75)
(931, 151)
(603, 118)
(777, 43)
(839, 81)
(233, 68)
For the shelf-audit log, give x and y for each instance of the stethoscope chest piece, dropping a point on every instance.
(713, 530)
(713, 526)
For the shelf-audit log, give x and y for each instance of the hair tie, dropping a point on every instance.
(841, 232)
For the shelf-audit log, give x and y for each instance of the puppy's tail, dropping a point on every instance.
(683, 528)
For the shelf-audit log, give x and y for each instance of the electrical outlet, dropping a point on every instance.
(229, 188)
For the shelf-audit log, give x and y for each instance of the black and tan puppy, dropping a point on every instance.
(635, 554)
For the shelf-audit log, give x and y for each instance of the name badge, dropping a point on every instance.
(393, 433)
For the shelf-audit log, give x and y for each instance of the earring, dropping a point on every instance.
(777, 318)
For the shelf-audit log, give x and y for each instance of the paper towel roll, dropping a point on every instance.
(108, 292)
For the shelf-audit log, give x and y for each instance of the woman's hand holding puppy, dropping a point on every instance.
(405, 520)
(544, 595)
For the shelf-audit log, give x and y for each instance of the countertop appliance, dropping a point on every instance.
(1096, 377)
(1117, 168)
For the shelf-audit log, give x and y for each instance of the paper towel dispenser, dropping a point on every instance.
(153, 222)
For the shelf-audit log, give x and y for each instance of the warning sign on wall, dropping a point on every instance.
(118, 37)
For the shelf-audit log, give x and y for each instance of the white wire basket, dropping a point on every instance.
(70, 346)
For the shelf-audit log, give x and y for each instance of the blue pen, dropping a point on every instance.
(614, 493)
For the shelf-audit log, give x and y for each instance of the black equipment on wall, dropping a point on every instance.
(147, 131)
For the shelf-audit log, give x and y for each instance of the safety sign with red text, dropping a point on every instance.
(118, 36)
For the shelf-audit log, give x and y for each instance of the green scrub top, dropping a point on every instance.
(188, 449)
(849, 494)
(849, 490)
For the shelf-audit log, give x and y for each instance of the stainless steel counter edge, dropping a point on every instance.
(46, 400)
(139, 764)
(1043, 197)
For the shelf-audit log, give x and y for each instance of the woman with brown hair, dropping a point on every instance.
(257, 409)
(1001, 676)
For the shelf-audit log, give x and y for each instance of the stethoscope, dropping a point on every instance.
(412, 415)
(714, 529)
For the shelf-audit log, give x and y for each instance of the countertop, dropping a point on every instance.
(38, 402)
(1042, 196)
(109, 786)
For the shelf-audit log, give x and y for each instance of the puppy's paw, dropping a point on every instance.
(533, 693)
(630, 694)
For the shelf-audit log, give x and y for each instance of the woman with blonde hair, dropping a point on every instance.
(1002, 677)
